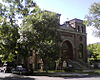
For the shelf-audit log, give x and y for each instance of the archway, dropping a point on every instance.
(67, 50)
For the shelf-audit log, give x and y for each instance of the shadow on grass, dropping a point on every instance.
(59, 74)
(90, 75)
(39, 74)
(77, 77)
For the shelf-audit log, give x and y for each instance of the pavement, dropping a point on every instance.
(59, 76)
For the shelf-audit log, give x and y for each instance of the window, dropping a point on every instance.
(78, 29)
(82, 29)
(80, 51)
(81, 38)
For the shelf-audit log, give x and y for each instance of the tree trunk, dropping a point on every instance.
(45, 65)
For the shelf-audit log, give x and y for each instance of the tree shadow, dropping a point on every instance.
(17, 78)
(89, 76)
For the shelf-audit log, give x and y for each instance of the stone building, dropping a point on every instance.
(73, 45)
(73, 42)
(73, 35)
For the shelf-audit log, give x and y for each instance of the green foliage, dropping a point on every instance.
(40, 29)
(93, 19)
(11, 12)
(39, 32)
(94, 50)
(94, 15)
(8, 40)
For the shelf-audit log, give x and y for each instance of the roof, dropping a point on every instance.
(76, 20)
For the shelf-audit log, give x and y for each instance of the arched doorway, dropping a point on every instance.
(67, 50)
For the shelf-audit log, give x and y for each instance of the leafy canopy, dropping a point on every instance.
(11, 12)
(37, 31)
(40, 31)
(93, 19)
(94, 50)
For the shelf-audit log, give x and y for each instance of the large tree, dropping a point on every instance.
(8, 33)
(94, 51)
(8, 41)
(40, 31)
(11, 13)
(93, 19)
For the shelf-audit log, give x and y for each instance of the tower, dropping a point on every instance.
(73, 41)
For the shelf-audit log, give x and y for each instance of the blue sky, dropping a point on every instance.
(70, 9)
(67, 8)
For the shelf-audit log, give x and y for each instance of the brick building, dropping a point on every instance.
(72, 45)
(73, 35)
(73, 42)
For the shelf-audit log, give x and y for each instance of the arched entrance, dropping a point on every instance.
(67, 51)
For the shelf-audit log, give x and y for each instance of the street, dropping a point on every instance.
(9, 76)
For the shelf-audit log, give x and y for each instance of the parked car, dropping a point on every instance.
(19, 70)
(3, 69)
(7, 67)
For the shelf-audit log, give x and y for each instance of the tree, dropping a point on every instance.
(94, 50)
(8, 41)
(11, 11)
(8, 34)
(93, 19)
(40, 31)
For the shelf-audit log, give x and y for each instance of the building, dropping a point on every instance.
(73, 46)
(73, 42)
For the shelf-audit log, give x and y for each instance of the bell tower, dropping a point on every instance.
(80, 38)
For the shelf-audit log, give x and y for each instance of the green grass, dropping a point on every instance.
(53, 73)
(97, 72)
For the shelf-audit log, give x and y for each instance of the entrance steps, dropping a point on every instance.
(78, 65)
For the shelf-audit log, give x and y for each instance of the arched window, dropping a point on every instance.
(80, 51)
(78, 30)
(82, 29)
(80, 38)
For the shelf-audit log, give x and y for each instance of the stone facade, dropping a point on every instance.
(73, 36)
(72, 45)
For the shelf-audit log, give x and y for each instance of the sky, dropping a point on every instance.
(70, 9)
